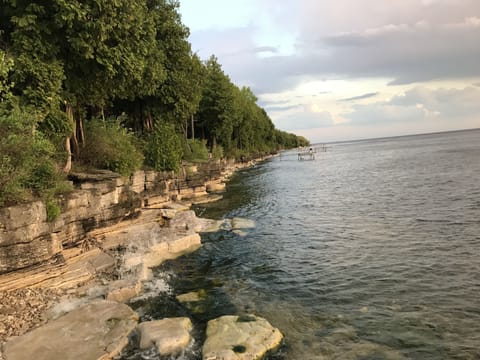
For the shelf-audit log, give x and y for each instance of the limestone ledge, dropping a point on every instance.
(101, 199)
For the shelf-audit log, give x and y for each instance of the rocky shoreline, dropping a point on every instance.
(87, 288)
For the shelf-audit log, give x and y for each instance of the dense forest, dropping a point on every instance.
(113, 84)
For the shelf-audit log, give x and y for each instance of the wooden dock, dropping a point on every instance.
(309, 154)
(306, 155)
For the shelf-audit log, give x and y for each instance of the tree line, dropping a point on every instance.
(114, 84)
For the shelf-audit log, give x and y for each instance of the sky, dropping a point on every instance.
(334, 70)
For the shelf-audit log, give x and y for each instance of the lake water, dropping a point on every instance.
(371, 251)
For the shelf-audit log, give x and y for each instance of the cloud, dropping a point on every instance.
(419, 104)
(281, 108)
(263, 49)
(409, 42)
(303, 119)
(360, 97)
(369, 42)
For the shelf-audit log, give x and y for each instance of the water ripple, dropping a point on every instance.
(370, 252)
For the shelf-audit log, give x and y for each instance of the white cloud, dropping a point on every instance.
(358, 42)
(420, 104)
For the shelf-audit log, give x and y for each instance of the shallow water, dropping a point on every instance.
(372, 251)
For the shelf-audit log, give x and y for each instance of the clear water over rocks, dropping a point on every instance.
(372, 251)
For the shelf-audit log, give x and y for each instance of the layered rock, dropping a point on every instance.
(98, 330)
(100, 200)
(245, 337)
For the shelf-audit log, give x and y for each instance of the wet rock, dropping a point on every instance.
(205, 199)
(215, 187)
(170, 336)
(194, 296)
(240, 338)
(123, 290)
(98, 330)
(240, 233)
(241, 223)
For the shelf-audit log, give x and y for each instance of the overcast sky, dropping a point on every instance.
(348, 69)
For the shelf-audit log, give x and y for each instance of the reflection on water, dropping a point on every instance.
(369, 252)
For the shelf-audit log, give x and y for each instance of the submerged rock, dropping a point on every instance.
(98, 330)
(194, 296)
(241, 223)
(240, 338)
(170, 336)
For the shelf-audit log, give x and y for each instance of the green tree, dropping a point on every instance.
(216, 106)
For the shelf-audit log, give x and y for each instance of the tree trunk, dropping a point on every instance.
(185, 130)
(68, 164)
(193, 128)
(73, 123)
(71, 139)
(82, 131)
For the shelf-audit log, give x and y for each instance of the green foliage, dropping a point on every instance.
(53, 210)
(68, 62)
(110, 146)
(216, 113)
(217, 152)
(195, 150)
(163, 149)
(26, 165)
(6, 66)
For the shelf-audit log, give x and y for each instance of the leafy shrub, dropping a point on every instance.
(195, 150)
(26, 164)
(53, 210)
(6, 65)
(163, 149)
(110, 146)
(217, 152)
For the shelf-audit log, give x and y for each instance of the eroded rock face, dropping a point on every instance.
(170, 336)
(240, 338)
(98, 330)
(101, 199)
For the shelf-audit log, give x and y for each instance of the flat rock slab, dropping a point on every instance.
(245, 337)
(98, 330)
(170, 336)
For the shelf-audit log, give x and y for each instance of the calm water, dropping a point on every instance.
(372, 251)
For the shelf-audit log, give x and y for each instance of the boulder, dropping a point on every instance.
(245, 337)
(98, 330)
(170, 336)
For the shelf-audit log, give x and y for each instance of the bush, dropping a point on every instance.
(195, 150)
(26, 164)
(163, 149)
(53, 210)
(217, 152)
(110, 146)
